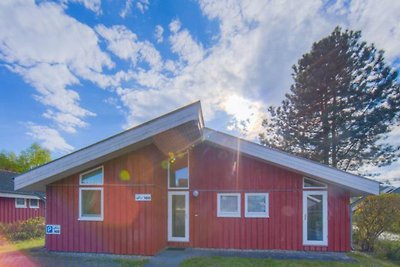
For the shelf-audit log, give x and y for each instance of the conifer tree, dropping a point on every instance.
(344, 101)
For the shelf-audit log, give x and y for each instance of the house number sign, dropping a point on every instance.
(143, 197)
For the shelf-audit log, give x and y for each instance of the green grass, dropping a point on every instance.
(363, 260)
(131, 263)
(27, 245)
(32, 247)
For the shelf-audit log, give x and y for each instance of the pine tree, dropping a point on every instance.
(344, 101)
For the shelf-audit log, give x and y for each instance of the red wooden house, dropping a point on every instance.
(173, 182)
(16, 205)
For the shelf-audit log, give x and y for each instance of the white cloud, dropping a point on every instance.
(49, 138)
(52, 52)
(379, 22)
(93, 5)
(125, 44)
(182, 43)
(141, 5)
(158, 34)
(127, 9)
(243, 69)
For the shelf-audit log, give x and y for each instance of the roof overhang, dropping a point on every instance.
(357, 185)
(13, 195)
(162, 131)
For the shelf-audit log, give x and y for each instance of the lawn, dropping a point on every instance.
(28, 245)
(362, 260)
(32, 252)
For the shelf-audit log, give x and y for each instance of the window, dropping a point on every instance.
(34, 203)
(92, 177)
(311, 183)
(256, 205)
(91, 204)
(178, 172)
(91, 207)
(20, 203)
(228, 205)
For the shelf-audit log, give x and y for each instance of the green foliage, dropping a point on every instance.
(361, 259)
(343, 102)
(32, 157)
(375, 215)
(24, 230)
(387, 249)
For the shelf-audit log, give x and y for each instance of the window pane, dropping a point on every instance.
(179, 173)
(310, 183)
(178, 216)
(314, 218)
(229, 204)
(256, 204)
(34, 203)
(93, 177)
(20, 201)
(91, 203)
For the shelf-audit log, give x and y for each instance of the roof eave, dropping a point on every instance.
(357, 185)
(37, 179)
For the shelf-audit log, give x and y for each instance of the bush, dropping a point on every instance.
(23, 230)
(375, 215)
(388, 249)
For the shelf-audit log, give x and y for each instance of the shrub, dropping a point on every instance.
(23, 230)
(388, 249)
(375, 215)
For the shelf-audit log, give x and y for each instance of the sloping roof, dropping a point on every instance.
(188, 119)
(178, 130)
(7, 186)
(356, 184)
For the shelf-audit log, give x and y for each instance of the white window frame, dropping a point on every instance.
(252, 214)
(323, 185)
(86, 218)
(324, 241)
(18, 206)
(236, 214)
(169, 173)
(34, 206)
(92, 170)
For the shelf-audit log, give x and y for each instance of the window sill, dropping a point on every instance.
(90, 219)
(263, 216)
(228, 215)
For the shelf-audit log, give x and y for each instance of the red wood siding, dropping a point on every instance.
(129, 227)
(9, 213)
(214, 170)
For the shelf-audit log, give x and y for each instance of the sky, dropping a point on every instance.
(73, 72)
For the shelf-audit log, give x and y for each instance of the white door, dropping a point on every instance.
(178, 216)
(315, 218)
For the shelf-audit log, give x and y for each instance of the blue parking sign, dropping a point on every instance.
(53, 229)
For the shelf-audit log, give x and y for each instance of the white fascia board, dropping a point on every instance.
(10, 195)
(106, 147)
(357, 184)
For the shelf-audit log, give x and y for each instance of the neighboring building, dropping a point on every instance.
(15, 205)
(173, 182)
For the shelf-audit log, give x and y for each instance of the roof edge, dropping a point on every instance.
(358, 184)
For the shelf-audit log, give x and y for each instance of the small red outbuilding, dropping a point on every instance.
(16, 205)
(173, 182)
